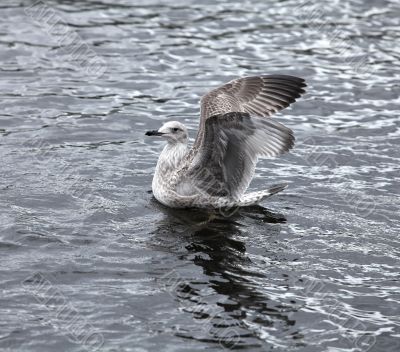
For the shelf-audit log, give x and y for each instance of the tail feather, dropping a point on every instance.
(256, 197)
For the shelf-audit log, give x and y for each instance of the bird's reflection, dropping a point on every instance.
(217, 244)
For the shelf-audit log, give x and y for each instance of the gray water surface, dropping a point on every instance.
(90, 261)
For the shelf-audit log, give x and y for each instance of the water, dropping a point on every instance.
(90, 261)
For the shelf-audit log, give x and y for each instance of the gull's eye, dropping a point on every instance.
(175, 129)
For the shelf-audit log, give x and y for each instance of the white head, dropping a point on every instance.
(173, 131)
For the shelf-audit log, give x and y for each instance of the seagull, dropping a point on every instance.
(235, 130)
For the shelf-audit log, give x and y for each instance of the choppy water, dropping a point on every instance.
(90, 261)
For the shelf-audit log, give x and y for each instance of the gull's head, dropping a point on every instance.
(173, 131)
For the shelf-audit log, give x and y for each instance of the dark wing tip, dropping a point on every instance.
(290, 87)
(290, 82)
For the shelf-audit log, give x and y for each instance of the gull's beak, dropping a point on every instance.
(154, 133)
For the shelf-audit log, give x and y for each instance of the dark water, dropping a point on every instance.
(89, 261)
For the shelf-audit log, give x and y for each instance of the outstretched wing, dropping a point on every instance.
(225, 159)
(257, 95)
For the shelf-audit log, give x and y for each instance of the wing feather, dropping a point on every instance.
(225, 160)
(262, 95)
(257, 95)
(234, 131)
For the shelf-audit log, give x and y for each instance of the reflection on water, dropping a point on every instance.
(218, 246)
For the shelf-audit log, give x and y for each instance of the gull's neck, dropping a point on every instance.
(171, 157)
